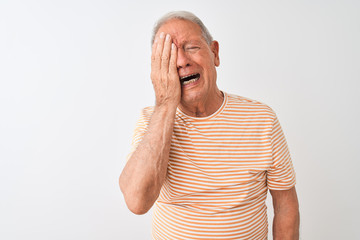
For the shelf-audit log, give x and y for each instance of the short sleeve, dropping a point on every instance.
(281, 175)
(140, 129)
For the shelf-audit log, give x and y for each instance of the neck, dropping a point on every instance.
(205, 107)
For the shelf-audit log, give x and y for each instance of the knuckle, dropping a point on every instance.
(163, 75)
(153, 76)
(171, 64)
(165, 57)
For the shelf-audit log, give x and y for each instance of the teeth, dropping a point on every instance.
(190, 81)
(187, 76)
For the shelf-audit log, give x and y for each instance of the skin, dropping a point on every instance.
(194, 55)
(286, 214)
(179, 50)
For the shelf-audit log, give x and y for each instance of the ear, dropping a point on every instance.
(214, 46)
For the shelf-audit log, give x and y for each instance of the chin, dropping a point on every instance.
(191, 97)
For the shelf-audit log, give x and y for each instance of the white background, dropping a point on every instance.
(75, 75)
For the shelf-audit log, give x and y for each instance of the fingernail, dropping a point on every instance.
(167, 36)
(162, 35)
(172, 46)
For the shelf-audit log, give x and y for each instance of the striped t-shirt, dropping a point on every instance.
(220, 168)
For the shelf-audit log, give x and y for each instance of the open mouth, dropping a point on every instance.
(189, 79)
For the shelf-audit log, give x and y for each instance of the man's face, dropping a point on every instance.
(196, 61)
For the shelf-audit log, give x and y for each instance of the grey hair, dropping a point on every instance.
(184, 15)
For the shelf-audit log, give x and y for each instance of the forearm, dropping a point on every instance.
(286, 225)
(286, 215)
(145, 171)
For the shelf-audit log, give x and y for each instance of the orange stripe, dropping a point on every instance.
(220, 168)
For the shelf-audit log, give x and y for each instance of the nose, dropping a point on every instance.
(183, 59)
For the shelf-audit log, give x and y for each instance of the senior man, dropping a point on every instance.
(202, 157)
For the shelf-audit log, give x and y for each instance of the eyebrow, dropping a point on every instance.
(191, 42)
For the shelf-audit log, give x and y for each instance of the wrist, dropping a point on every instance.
(166, 107)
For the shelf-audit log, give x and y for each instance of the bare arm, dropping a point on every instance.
(145, 171)
(286, 214)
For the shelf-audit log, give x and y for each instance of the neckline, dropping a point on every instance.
(217, 112)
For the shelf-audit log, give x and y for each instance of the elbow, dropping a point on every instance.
(136, 206)
(138, 210)
(133, 203)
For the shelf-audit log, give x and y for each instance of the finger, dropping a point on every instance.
(153, 53)
(159, 48)
(172, 61)
(165, 57)
(153, 48)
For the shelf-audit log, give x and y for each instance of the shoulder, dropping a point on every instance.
(147, 111)
(251, 105)
(145, 115)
